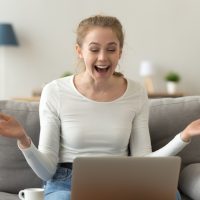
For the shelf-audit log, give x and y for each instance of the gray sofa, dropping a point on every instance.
(168, 116)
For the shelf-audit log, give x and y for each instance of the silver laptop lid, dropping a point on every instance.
(125, 178)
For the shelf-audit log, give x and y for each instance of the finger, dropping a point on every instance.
(4, 117)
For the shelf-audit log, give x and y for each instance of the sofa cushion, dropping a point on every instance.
(168, 117)
(15, 174)
(7, 196)
(189, 181)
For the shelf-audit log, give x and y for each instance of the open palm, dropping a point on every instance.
(10, 127)
(193, 128)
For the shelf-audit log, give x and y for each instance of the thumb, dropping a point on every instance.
(4, 117)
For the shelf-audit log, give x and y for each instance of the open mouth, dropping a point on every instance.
(101, 68)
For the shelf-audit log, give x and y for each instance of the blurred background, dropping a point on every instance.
(161, 36)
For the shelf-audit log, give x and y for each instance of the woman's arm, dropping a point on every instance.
(140, 143)
(43, 164)
(44, 160)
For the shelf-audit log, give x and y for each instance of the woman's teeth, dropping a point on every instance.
(101, 68)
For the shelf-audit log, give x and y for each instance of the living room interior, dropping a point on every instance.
(164, 34)
(162, 45)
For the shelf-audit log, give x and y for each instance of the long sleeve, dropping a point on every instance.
(140, 143)
(170, 149)
(44, 160)
(41, 163)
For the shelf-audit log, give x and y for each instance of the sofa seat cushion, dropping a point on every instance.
(15, 173)
(7, 196)
(189, 181)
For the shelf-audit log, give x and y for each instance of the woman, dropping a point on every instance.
(97, 112)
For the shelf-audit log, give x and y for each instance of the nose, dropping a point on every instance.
(102, 55)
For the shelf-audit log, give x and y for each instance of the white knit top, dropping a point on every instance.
(73, 125)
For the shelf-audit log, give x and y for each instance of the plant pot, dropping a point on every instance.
(171, 87)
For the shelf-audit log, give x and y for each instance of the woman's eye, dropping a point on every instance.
(94, 50)
(111, 50)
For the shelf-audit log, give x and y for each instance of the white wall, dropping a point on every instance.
(166, 32)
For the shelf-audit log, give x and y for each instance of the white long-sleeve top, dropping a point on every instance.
(73, 125)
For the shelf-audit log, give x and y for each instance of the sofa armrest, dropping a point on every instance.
(190, 180)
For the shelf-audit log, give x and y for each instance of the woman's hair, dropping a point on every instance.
(100, 21)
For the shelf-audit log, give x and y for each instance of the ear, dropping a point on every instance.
(78, 51)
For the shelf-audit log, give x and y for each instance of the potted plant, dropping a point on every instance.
(67, 73)
(172, 79)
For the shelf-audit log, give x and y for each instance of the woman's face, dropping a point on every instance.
(100, 52)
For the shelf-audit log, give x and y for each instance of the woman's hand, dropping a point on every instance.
(191, 130)
(10, 127)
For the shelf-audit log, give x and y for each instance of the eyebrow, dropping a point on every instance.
(95, 43)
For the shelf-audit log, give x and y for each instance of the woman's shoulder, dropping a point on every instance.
(51, 92)
(58, 83)
(137, 92)
(135, 86)
(54, 87)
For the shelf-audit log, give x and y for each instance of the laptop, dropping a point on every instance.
(125, 178)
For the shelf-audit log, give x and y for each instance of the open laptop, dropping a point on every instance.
(125, 178)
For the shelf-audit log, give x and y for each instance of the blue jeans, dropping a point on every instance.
(59, 187)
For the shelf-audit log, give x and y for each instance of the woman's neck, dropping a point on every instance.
(96, 85)
(106, 90)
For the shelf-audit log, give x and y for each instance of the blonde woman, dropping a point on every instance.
(97, 112)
